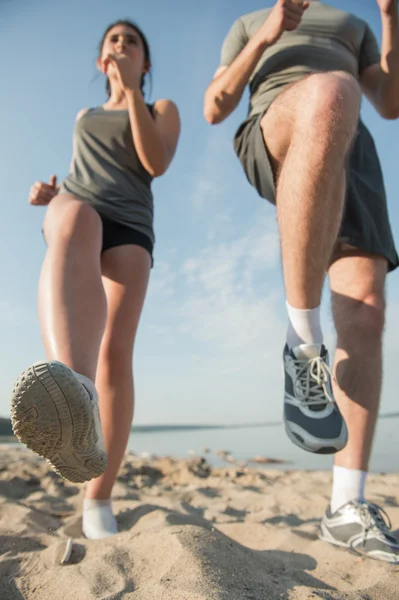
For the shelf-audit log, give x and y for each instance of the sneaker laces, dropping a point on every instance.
(312, 381)
(373, 518)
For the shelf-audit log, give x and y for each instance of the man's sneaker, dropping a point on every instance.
(57, 417)
(311, 416)
(361, 526)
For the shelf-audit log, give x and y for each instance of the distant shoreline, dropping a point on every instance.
(6, 429)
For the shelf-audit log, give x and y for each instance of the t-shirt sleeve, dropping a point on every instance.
(369, 51)
(234, 42)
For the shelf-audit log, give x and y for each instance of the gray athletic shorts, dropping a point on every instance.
(365, 222)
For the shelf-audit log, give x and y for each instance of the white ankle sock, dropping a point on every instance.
(98, 520)
(303, 326)
(348, 484)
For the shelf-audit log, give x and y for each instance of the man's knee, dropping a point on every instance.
(332, 99)
(358, 320)
(323, 108)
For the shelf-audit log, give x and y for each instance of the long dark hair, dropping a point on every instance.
(146, 47)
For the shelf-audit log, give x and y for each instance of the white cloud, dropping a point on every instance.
(224, 296)
(162, 281)
(229, 302)
(210, 183)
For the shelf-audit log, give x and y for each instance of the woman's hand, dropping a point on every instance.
(127, 73)
(41, 193)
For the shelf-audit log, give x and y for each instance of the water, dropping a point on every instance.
(245, 443)
(268, 440)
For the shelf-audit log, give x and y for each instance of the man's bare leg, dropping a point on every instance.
(357, 285)
(308, 131)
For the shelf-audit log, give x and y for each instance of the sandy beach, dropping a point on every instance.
(187, 532)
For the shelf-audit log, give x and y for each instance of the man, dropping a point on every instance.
(305, 149)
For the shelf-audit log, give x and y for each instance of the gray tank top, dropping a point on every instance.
(107, 172)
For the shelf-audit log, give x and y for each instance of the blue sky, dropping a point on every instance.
(211, 336)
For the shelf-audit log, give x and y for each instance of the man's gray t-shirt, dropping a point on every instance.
(327, 39)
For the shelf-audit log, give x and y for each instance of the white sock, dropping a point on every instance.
(303, 326)
(98, 520)
(348, 484)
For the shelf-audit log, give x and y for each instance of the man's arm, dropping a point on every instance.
(380, 82)
(224, 93)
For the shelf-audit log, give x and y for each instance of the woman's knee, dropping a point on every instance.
(71, 220)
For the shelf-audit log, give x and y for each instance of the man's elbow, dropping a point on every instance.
(216, 108)
(212, 116)
(215, 112)
(211, 111)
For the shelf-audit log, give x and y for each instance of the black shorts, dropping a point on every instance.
(116, 234)
(365, 223)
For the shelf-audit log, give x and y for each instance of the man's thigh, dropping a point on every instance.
(304, 102)
(277, 125)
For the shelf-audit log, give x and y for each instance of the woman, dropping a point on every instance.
(99, 232)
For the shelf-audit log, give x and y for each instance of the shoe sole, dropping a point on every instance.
(51, 413)
(325, 536)
(317, 446)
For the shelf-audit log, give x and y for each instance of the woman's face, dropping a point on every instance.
(123, 39)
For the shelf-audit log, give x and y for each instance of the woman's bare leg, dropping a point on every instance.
(72, 302)
(54, 405)
(126, 273)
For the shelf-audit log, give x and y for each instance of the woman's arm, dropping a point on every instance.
(155, 138)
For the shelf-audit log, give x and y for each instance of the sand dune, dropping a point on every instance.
(187, 532)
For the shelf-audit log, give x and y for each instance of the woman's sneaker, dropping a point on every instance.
(311, 416)
(54, 412)
(364, 528)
